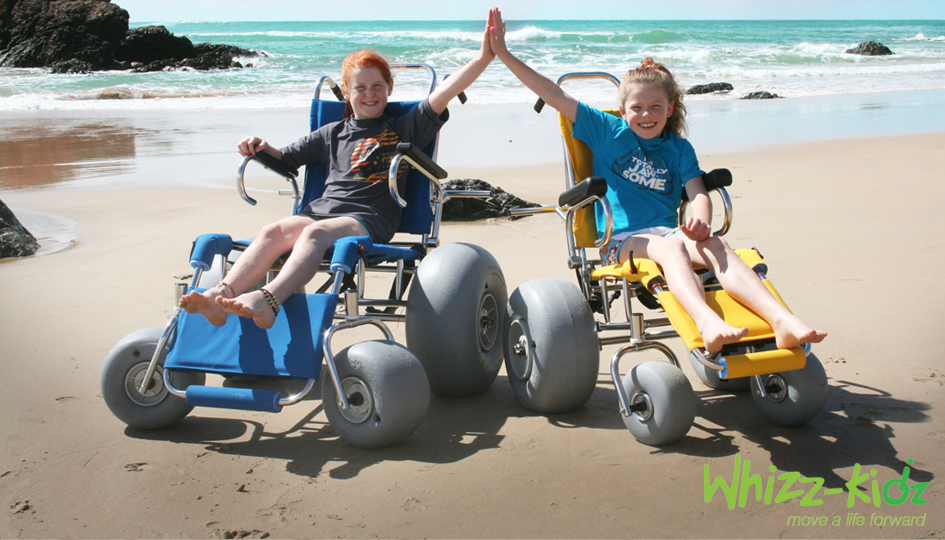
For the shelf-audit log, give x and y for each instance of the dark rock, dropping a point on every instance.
(151, 43)
(761, 94)
(15, 240)
(870, 48)
(497, 205)
(72, 66)
(78, 36)
(41, 33)
(710, 88)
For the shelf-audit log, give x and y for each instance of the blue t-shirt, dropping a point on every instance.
(645, 177)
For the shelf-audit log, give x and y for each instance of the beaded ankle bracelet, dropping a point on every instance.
(273, 303)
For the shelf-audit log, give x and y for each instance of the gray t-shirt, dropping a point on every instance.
(357, 154)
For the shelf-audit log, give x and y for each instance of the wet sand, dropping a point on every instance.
(847, 228)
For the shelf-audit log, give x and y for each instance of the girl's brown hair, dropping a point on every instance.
(362, 59)
(651, 72)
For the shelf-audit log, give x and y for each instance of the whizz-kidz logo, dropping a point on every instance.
(787, 486)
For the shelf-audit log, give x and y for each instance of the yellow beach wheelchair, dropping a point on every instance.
(375, 393)
(552, 336)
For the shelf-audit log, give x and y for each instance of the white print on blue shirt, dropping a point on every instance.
(646, 171)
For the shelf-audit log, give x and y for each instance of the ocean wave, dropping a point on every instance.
(530, 33)
(656, 36)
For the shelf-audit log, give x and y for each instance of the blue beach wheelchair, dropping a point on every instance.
(552, 371)
(375, 393)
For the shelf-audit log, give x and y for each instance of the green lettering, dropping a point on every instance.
(809, 499)
(917, 490)
(748, 480)
(852, 486)
(902, 485)
(729, 491)
(785, 495)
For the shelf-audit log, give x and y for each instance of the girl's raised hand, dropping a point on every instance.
(497, 32)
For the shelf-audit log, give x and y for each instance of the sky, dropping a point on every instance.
(334, 10)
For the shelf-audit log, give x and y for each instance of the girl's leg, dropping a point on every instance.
(307, 253)
(673, 257)
(740, 282)
(273, 240)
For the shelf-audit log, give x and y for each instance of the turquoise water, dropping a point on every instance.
(790, 58)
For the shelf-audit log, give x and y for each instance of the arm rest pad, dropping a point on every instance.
(422, 160)
(594, 186)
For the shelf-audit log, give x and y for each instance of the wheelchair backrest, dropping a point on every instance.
(581, 165)
(417, 216)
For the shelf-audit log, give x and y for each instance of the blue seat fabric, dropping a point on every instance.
(291, 348)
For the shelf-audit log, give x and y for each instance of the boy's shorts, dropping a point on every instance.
(609, 252)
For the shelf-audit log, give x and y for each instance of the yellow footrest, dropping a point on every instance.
(762, 363)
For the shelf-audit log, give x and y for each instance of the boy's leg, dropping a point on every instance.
(273, 240)
(310, 246)
(673, 257)
(742, 284)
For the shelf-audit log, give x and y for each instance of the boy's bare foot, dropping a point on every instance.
(791, 332)
(252, 305)
(717, 333)
(204, 303)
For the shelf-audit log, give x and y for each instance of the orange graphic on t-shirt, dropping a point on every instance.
(371, 157)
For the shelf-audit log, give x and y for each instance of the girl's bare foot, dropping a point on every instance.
(252, 305)
(717, 333)
(204, 303)
(791, 332)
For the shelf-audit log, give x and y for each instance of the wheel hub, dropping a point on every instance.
(520, 357)
(360, 400)
(775, 388)
(155, 392)
(488, 322)
(646, 413)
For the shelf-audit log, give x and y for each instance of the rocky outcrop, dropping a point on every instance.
(710, 88)
(761, 94)
(79, 36)
(497, 205)
(870, 48)
(15, 240)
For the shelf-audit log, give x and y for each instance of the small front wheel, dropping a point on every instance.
(793, 398)
(665, 403)
(123, 372)
(387, 390)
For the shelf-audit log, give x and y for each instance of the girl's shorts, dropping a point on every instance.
(609, 252)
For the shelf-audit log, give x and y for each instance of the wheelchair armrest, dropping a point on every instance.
(714, 179)
(594, 186)
(420, 161)
(275, 165)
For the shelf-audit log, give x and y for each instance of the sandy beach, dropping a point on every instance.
(847, 227)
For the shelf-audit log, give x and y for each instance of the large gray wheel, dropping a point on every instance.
(793, 397)
(387, 390)
(710, 378)
(124, 369)
(551, 348)
(455, 313)
(669, 404)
